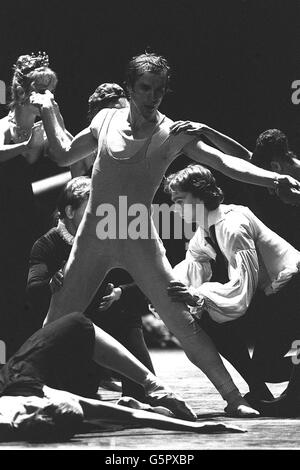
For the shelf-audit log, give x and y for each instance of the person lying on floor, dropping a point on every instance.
(47, 387)
(59, 415)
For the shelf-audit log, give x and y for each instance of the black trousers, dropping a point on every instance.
(278, 325)
(271, 325)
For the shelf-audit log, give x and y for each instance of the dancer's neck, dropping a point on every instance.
(23, 116)
(140, 123)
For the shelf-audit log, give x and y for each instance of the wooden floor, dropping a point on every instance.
(179, 373)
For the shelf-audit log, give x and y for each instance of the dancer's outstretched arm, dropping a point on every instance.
(223, 142)
(237, 168)
(96, 410)
(231, 147)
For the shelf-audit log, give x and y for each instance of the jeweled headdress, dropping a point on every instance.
(27, 63)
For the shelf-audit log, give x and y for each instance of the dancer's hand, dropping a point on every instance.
(42, 100)
(286, 181)
(37, 137)
(288, 190)
(56, 282)
(111, 297)
(179, 292)
(31, 142)
(189, 127)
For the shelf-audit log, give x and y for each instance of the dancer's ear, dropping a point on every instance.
(20, 93)
(275, 166)
(69, 212)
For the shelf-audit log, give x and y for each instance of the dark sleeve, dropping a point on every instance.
(39, 272)
(43, 264)
(132, 298)
(128, 289)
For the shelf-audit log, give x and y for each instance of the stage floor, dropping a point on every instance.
(182, 376)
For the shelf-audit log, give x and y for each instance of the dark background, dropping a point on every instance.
(233, 61)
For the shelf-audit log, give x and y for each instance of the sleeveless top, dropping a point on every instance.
(128, 167)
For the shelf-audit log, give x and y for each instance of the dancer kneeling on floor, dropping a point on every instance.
(231, 254)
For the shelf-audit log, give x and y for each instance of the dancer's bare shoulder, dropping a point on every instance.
(4, 129)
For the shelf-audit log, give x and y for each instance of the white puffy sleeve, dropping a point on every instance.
(97, 122)
(195, 269)
(226, 302)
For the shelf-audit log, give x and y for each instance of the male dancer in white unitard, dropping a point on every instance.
(135, 148)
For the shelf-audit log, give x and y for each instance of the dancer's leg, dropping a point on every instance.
(153, 273)
(133, 340)
(109, 353)
(272, 342)
(123, 323)
(230, 342)
(285, 307)
(288, 404)
(87, 265)
(280, 326)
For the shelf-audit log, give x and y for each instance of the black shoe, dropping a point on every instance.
(255, 399)
(284, 406)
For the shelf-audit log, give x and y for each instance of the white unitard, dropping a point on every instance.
(132, 168)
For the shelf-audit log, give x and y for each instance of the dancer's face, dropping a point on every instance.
(147, 93)
(18, 409)
(189, 207)
(78, 214)
(74, 217)
(41, 83)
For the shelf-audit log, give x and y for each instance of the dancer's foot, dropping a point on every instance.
(137, 405)
(241, 411)
(159, 395)
(238, 407)
(175, 404)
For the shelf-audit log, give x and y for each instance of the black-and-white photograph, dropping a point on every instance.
(149, 227)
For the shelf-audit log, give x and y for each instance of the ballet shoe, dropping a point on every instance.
(174, 403)
(241, 411)
(137, 405)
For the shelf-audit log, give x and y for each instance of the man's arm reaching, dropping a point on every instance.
(223, 142)
(236, 168)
